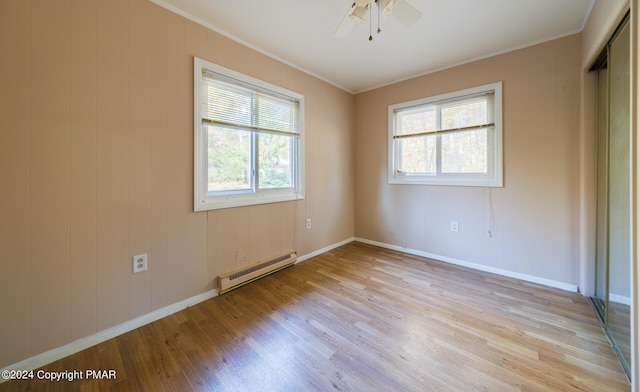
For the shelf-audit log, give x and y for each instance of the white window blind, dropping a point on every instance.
(247, 107)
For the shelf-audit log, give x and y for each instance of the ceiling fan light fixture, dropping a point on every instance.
(404, 12)
(358, 14)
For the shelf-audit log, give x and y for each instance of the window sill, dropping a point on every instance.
(482, 182)
(221, 202)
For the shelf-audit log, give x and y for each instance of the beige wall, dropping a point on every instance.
(536, 213)
(96, 163)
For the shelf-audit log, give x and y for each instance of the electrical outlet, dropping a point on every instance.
(454, 226)
(139, 263)
(308, 223)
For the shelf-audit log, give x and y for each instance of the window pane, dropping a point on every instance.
(418, 154)
(464, 114)
(229, 159)
(415, 121)
(275, 161)
(465, 151)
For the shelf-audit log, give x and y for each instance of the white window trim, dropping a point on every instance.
(204, 202)
(494, 179)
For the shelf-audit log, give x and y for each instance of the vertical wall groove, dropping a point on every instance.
(96, 166)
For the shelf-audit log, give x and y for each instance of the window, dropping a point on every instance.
(450, 139)
(248, 140)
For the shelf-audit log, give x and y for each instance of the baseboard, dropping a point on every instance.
(55, 354)
(620, 299)
(323, 250)
(480, 267)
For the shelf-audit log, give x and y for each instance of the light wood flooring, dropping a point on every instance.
(362, 318)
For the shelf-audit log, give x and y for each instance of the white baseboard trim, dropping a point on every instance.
(57, 353)
(620, 299)
(480, 267)
(323, 250)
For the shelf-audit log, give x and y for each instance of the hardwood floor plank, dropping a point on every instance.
(362, 318)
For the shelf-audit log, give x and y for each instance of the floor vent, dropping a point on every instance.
(233, 279)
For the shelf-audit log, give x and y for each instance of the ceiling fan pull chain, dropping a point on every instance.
(370, 22)
(378, 6)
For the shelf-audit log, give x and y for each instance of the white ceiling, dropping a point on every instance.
(450, 32)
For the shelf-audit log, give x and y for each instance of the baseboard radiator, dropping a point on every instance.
(237, 278)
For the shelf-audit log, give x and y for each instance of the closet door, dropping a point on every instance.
(602, 182)
(613, 207)
(619, 192)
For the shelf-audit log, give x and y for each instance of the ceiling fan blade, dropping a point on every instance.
(358, 13)
(344, 28)
(355, 14)
(405, 12)
(386, 6)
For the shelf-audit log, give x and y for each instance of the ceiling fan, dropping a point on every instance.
(400, 9)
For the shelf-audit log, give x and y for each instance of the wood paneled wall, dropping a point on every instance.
(96, 165)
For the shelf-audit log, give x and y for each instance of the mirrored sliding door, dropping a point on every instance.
(613, 233)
